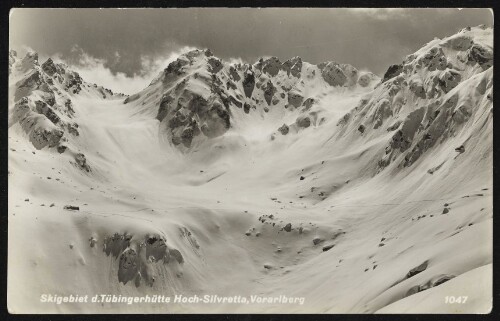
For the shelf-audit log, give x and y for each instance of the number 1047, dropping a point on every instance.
(455, 299)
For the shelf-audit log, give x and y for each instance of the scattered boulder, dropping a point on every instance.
(303, 121)
(328, 247)
(61, 149)
(418, 269)
(284, 129)
(246, 108)
(82, 162)
(317, 240)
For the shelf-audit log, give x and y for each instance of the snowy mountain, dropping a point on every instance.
(203, 97)
(40, 101)
(358, 193)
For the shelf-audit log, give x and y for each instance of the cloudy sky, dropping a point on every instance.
(125, 48)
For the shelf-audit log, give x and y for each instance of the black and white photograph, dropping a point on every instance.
(250, 160)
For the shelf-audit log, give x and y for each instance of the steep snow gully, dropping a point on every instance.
(357, 193)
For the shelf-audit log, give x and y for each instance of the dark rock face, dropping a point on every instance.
(49, 67)
(333, 74)
(230, 100)
(392, 71)
(44, 109)
(418, 89)
(308, 103)
(193, 115)
(188, 133)
(249, 84)
(328, 247)
(69, 108)
(165, 106)
(32, 81)
(41, 137)
(73, 129)
(269, 91)
(435, 59)
(246, 108)
(271, 66)
(417, 270)
(284, 129)
(61, 149)
(21, 109)
(447, 81)
(174, 69)
(73, 82)
(295, 99)
(231, 85)
(215, 65)
(49, 97)
(234, 74)
(293, 66)
(28, 84)
(480, 55)
(81, 161)
(303, 121)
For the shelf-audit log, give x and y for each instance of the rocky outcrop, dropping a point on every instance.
(44, 109)
(271, 66)
(81, 161)
(138, 254)
(392, 71)
(480, 55)
(269, 91)
(303, 121)
(293, 67)
(284, 129)
(333, 74)
(215, 65)
(12, 59)
(308, 103)
(249, 84)
(73, 82)
(234, 74)
(49, 67)
(295, 99)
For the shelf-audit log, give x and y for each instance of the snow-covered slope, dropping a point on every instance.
(359, 194)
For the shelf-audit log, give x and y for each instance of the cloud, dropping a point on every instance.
(97, 70)
(382, 13)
